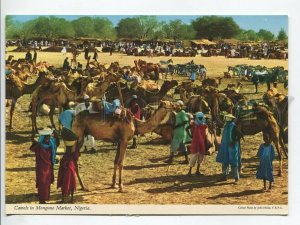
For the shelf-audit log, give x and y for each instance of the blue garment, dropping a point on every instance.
(7, 71)
(111, 107)
(51, 146)
(229, 151)
(266, 155)
(193, 76)
(197, 116)
(66, 118)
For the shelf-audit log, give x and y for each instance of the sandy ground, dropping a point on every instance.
(147, 179)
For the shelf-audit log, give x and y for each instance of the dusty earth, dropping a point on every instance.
(147, 179)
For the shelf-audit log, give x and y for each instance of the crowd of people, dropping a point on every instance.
(188, 129)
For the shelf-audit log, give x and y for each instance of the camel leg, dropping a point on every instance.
(116, 166)
(51, 113)
(123, 146)
(12, 109)
(79, 178)
(277, 146)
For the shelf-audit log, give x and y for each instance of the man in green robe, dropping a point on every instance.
(180, 134)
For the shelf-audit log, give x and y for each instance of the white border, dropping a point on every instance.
(172, 7)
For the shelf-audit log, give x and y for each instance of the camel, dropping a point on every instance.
(15, 88)
(56, 94)
(147, 96)
(263, 121)
(117, 129)
(279, 106)
(211, 82)
(195, 103)
(148, 68)
(98, 91)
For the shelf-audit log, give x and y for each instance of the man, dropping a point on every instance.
(34, 56)
(136, 110)
(82, 107)
(229, 151)
(66, 117)
(68, 167)
(95, 57)
(28, 56)
(180, 134)
(86, 53)
(66, 65)
(45, 156)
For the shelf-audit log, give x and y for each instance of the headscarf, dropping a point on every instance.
(197, 118)
(51, 145)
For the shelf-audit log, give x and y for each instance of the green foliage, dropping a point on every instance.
(104, 29)
(129, 28)
(215, 27)
(265, 35)
(84, 27)
(282, 36)
(248, 35)
(179, 31)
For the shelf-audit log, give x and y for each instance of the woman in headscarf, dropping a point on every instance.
(199, 143)
(45, 155)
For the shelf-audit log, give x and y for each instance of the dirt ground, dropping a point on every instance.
(147, 179)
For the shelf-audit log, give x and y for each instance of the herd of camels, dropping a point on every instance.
(56, 87)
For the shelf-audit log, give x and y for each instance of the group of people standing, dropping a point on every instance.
(194, 130)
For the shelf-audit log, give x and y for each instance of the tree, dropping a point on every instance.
(61, 28)
(282, 36)
(129, 28)
(265, 35)
(103, 28)
(12, 28)
(214, 27)
(179, 31)
(248, 35)
(84, 27)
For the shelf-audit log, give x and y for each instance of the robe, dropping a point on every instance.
(266, 155)
(229, 151)
(180, 135)
(199, 139)
(66, 118)
(136, 110)
(44, 171)
(67, 173)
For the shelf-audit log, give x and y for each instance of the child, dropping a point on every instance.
(199, 142)
(266, 155)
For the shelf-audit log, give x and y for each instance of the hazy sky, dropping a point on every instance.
(271, 23)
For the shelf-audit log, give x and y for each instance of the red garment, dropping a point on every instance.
(44, 171)
(199, 139)
(136, 110)
(67, 173)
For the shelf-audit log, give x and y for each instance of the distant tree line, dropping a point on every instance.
(140, 27)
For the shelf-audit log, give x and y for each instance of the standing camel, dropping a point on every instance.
(119, 130)
(15, 88)
(54, 95)
(264, 121)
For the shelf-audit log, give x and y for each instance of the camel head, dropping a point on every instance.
(112, 77)
(169, 106)
(167, 85)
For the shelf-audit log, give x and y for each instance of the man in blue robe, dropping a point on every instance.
(229, 151)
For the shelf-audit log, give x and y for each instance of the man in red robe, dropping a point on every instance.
(199, 142)
(68, 165)
(45, 152)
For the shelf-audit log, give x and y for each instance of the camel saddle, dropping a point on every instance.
(246, 112)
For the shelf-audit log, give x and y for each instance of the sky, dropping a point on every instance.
(271, 23)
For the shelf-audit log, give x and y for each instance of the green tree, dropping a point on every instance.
(215, 27)
(248, 35)
(177, 30)
(12, 28)
(84, 27)
(265, 35)
(282, 36)
(61, 28)
(129, 28)
(103, 28)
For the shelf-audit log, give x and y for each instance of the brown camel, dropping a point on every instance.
(279, 105)
(116, 129)
(195, 103)
(212, 82)
(15, 88)
(99, 90)
(56, 94)
(148, 68)
(263, 121)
